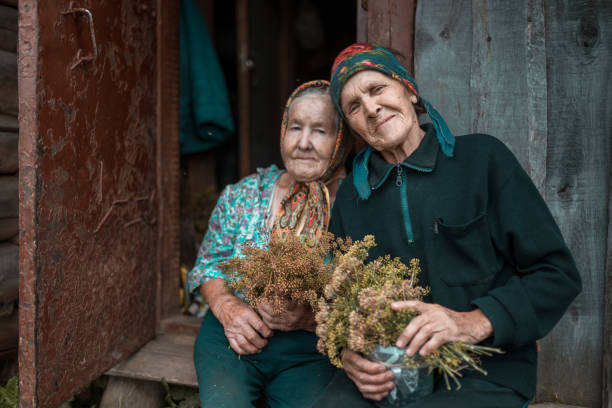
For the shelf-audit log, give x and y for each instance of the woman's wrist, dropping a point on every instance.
(216, 293)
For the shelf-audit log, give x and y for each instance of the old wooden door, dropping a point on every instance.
(92, 204)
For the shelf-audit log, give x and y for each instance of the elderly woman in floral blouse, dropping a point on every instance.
(270, 355)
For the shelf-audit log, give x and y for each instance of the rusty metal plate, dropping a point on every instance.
(88, 191)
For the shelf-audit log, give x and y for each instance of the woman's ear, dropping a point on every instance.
(413, 99)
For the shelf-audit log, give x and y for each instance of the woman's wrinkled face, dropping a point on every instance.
(379, 108)
(310, 137)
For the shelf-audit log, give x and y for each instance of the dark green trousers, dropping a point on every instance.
(473, 393)
(288, 373)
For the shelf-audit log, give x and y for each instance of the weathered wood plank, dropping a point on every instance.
(536, 93)
(9, 227)
(8, 18)
(553, 405)
(11, 3)
(8, 82)
(606, 380)
(8, 29)
(579, 61)
(391, 23)
(8, 40)
(128, 392)
(9, 272)
(9, 334)
(8, 152)
(9, 197)
(181, 324)
(443, 50)
(362, 20)
(498, 79)
(8, 123)
(168, 356)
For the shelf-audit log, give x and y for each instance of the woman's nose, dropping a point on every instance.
(304, 140)
(371, 107)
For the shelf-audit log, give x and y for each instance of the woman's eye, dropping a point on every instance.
(294, 128)
(320, 131)
(353, 108)
(379, 89)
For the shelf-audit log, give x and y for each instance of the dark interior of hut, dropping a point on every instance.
(289, 42)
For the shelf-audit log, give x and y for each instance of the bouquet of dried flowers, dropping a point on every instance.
(355, 310)
(288, 269)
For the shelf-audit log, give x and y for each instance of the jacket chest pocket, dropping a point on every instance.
(464, 253)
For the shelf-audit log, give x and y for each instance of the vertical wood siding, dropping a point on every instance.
(535, 74)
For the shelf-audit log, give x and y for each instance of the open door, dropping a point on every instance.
(90, 189)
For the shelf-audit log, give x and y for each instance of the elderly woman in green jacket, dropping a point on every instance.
(499, 270)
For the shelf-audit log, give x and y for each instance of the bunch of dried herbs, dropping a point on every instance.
(288, 269)
(355, 310)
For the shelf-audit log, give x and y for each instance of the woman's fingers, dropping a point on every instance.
(422, 336)
(376, 396)
(433, 344)
(255, 322)
(295, 316)
(412, 304)
(410, 331)
(373, 380)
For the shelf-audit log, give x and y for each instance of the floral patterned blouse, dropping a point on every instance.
(239, 217)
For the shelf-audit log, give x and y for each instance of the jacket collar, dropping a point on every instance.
(371, 170)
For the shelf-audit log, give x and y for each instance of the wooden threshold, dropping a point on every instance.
(168, 356)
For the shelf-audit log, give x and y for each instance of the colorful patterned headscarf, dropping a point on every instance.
(305, 209)
(362, 56)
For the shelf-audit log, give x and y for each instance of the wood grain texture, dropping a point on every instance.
(28, 198)
(8, 83)
(9, 334)
(9, 272)
(8, 123)
(168, 356)
(168, 158)
(536, 75)
(127, 392)
(537, 107)
(391, 23)
(362, 20)
(8, 29)
(8, 152)
(579, 61)
(181, 324)
(88, 194)
(443, 51)
(9, 227)
(606, 376)
(498, 81)
(9, 196)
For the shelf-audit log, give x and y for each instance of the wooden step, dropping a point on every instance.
(168, 356)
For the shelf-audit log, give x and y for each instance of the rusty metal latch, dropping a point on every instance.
(80, 57)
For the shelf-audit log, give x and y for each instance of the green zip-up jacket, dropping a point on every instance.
(483, 234)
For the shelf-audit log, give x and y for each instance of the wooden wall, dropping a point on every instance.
(9, 200)
(535, 74)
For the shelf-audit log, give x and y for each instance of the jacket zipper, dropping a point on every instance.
(400, 182)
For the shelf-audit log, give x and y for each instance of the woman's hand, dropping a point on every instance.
(245, 331)
(436, 325)
(295, 316)
(373, 380)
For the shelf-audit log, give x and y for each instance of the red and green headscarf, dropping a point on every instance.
(362, 56)
(305, 210)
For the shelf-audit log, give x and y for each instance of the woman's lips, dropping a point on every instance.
(383, 122)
